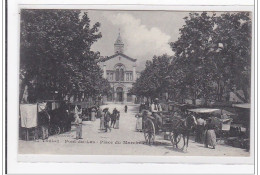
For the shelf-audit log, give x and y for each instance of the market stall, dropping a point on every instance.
(49, 113)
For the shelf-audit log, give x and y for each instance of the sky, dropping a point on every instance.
(144, 33)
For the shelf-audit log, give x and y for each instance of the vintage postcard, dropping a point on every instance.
(139, 82)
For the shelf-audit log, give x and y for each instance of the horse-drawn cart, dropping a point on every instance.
(172, 125)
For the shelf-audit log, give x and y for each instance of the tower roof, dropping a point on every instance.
(119, 40)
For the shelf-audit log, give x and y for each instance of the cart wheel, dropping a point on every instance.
(55, 130)
(149, 132)
(52, 130)
(179, 141)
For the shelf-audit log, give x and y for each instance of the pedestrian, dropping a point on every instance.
(93, 114)
(200, 129)
(44, 121)
(117, 120)
(210, 135)
(156, 109)
(99, 112)
(78, 123)
(101, 116)
(106, 119)
(67, 116)
(102, 121)
(138, 126)
(77, 111)
(113, 118)
(125, 108)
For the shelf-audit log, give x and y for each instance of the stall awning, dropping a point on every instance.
(244, 105)
(210, 110)
(204, 110)
(223, 111)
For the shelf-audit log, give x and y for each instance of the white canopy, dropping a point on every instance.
(204, 110)
(245, 105)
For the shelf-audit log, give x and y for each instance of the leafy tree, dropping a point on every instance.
(153, 80)
(55, 53)
(213, 55)
(193, 69)
(231, 53)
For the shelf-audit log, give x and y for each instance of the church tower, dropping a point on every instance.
(119, 45)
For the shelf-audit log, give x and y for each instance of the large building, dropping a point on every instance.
(120, 70)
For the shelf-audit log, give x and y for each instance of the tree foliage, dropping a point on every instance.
(212, 58)
(153, 79)
(55, 53)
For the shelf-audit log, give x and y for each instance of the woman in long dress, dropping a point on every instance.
(102, 121)
(210, 135)
(93, 114)
(117, 120)
(138, 122)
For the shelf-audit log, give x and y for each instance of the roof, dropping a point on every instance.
(245, 105)
(117, 54)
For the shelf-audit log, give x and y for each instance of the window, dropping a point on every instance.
(127, 76)
(131, 77)
(117, 74)
(110, 76)
(121, 75)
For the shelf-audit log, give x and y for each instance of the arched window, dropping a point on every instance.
(117, 74)
(121, 74)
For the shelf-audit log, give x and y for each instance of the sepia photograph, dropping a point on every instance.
(135, 82)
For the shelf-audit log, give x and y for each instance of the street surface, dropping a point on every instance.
(122, 141)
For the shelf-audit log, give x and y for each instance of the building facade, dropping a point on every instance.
(120, 70)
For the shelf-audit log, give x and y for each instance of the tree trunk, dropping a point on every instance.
(22, 89)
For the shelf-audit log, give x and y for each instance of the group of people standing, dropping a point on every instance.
(108, 120)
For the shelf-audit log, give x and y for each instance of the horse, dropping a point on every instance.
(184, 127)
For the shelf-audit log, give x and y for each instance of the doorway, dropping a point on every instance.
(119, 93)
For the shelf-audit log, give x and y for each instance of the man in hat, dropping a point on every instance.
(156, 109)
(106, 119)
